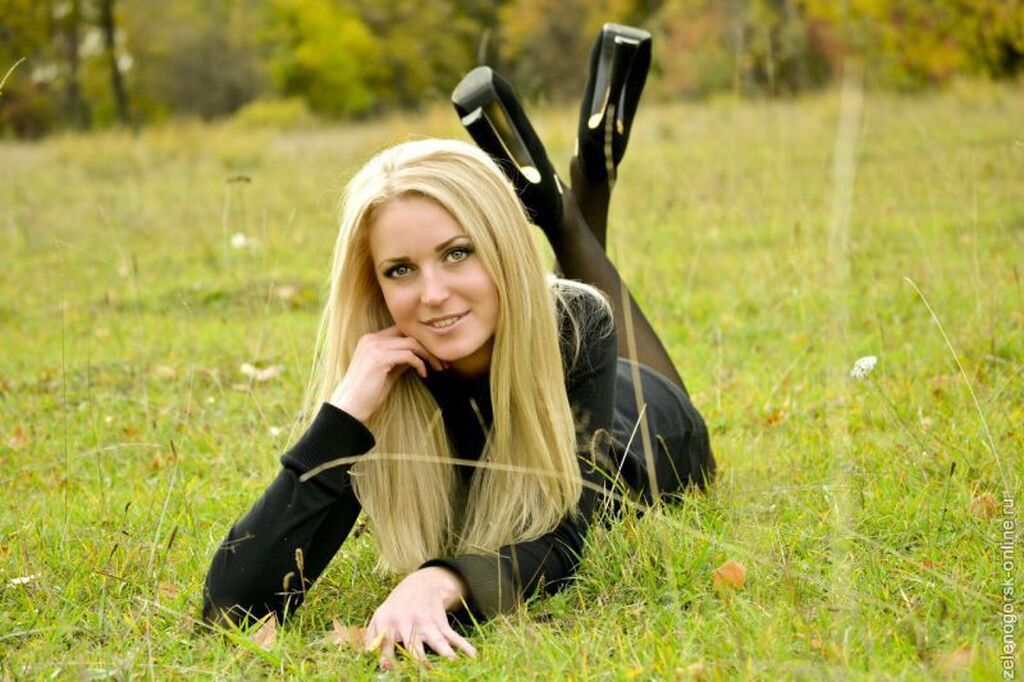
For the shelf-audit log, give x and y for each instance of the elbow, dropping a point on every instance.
(227, 606)
(224, 610)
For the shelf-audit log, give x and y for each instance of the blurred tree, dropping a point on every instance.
(25, 33)
(547, 42)
(193, 57)
(917, 43)
(425, 47)
(325, 53)
(750, 46)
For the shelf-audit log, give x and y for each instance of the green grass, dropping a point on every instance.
(130, 440)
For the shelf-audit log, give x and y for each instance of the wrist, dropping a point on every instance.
(345, 407)
(451, 587)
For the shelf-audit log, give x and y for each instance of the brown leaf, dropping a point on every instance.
(983, 506)
(167, 590)
(19, 439)
(731, 574)
(346, 635)
(160, 460)
(267, 634)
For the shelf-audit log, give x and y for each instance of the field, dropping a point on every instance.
(771, 243)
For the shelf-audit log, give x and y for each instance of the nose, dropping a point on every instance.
(435, 289)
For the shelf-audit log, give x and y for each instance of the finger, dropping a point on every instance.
(413, 360)
(417, 652)
(372, 639)
(418, 348)
(440, 645)
(387, 654)
(459, 641)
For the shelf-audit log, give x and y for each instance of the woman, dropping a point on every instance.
(475, 408)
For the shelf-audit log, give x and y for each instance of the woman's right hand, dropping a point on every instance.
(379, 359)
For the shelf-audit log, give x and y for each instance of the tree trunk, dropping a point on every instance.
(107, 24)
(76, 108)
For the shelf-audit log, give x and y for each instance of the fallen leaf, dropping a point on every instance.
(160, 460)
(286, 292)
(346, 635)
(267, 634)
(696, 671)
(730, 574)
(983, 506)
(19, 439)
(955, 661)
(165, 371)
(260, 375)
(167, 590)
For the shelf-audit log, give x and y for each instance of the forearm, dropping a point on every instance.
(273, 554)
(277, 550)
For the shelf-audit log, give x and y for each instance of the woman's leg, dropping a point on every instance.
(578, 245)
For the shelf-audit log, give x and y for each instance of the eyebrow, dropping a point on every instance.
(437, 249)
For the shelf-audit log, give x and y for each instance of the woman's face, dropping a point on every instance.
(430, 275)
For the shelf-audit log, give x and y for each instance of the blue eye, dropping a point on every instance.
(455, 255)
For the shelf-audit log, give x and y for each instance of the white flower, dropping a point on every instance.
(23, 580)
(863, 367)
(240, 241)
(275, 430)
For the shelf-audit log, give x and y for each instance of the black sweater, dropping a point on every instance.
(274, 553)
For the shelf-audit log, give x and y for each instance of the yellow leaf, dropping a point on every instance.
(731, 574)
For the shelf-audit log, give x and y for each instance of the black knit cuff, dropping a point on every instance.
(491, 591)
(334, 434)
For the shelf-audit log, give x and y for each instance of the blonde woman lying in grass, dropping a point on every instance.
(473, 406)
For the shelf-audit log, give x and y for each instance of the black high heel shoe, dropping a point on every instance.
(487, 106)
(619, 62)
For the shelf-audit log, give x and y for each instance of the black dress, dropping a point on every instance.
(274, 553)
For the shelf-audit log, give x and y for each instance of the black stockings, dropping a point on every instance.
(579, 246)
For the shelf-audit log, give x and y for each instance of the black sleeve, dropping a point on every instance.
(498, 583)
(274, 553)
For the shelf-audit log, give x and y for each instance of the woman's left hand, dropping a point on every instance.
(415, 613)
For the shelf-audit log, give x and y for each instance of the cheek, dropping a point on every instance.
(488, 294)
(401, 306)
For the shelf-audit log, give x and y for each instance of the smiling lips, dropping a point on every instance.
(444, 322)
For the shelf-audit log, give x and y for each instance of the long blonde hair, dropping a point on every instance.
(529, 478)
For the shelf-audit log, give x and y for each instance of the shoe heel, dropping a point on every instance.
(491, 114)
(619, 61)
